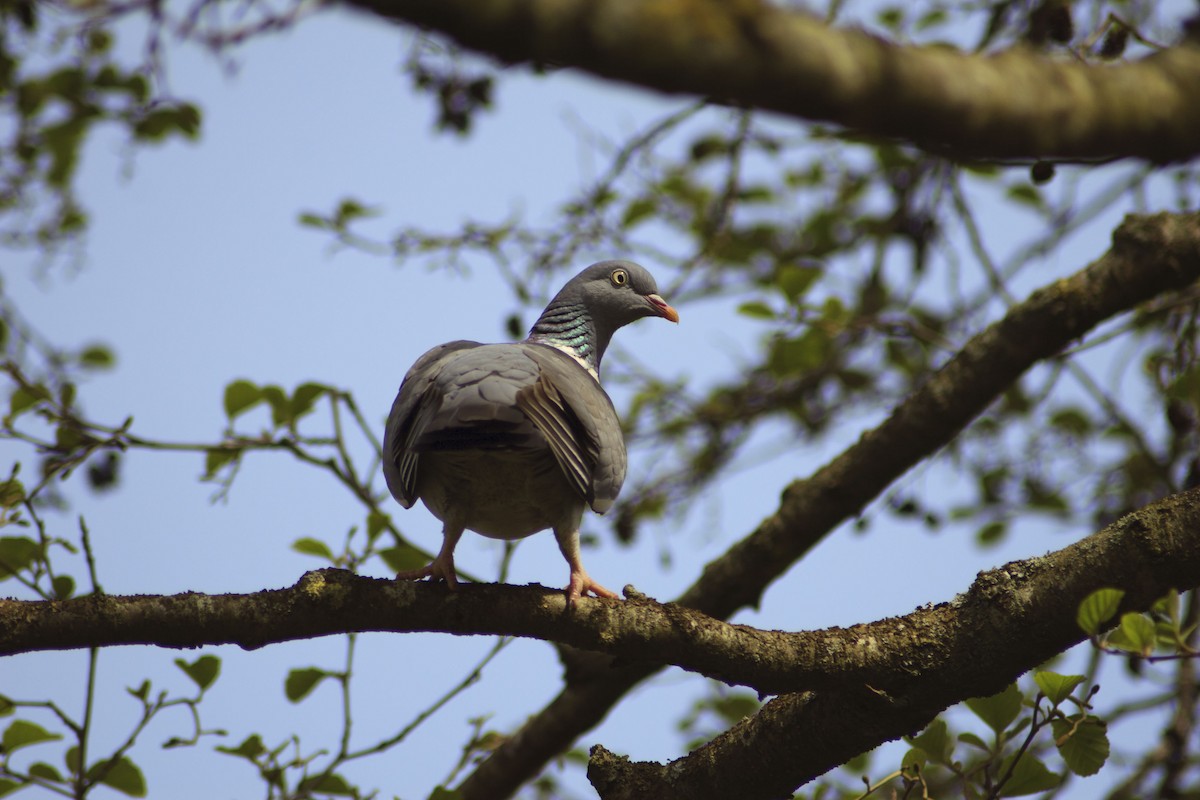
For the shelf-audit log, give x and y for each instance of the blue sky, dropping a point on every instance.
(196, 272)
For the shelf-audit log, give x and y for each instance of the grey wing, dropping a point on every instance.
(579, 422)
(416, 403)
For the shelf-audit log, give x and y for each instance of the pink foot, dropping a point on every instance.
(440, 569)
(582, 584)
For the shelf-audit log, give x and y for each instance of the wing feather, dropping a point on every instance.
(580, 424)
(545, 408)
(416, 403)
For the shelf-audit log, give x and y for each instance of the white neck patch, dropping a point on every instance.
(571, 352)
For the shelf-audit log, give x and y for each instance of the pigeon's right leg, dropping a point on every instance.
(442, 567)
(580, 583)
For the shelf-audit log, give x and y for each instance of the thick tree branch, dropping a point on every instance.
(1015, 612)
(1012, 619)
(878, 680)
(1016, 104)
(1150, 255)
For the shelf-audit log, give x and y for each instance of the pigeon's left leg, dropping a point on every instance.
(441, 567)
(581, 583)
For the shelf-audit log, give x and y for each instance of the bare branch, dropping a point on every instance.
(1015, 104)
(1012, 619)
(1145, 554)
(901, 672)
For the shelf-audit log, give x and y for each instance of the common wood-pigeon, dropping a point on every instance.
(510, 439)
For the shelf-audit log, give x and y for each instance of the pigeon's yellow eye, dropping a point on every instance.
(619, 277)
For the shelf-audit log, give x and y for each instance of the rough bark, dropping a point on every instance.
(1012, 619)
(1014, 104)
(1014, 613)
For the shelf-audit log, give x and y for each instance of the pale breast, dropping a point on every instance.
(500, 494)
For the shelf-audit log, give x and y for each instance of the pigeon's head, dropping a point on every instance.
(616, 293)
(584, 315)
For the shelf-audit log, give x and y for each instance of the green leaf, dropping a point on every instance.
(1168, 606)
(1029, 776)
(8, 787)
(440, 793)
(756, 309)
(1026, 194)
(1082, 743)
(203, 671)
(122, 775)
(1071, 421)
(241, 395)
(300, 682)
(313, 547)
(97, 356)
(377, 523)
(915, 757)
(67, 83)
(349, 210)
(217, 457)
(25, 398)
(6, 706)
(794, 281)
(71, 759)
(1042, 498)
(62, 141)
(17, 553)
(931, 19)
(31, 96)
(305, 397)
(46, 772)
(806, 352)
(22, 733)
(755, 194)
(736, 706)
(1056, 687)
(934, 741)
(992, 532)
(273, 776)
(310, 220)
(99, 41)
(855, 766)
(68, 437)
(999, 710)
(187, 120)
(1098, 608)
(12, 493)
(281, 405)
(833, 314)
(1169, 635)
(891, 17)
(326, 784)
(141, 692)
(1137, 633)
(251, 748)
(708, 146)
(163, 121)
(1186, 386)
(638, 210)
(974, 741)
(63, 586)
(402, 557)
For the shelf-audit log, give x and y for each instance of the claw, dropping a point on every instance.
(582, 584)
(440, 569)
